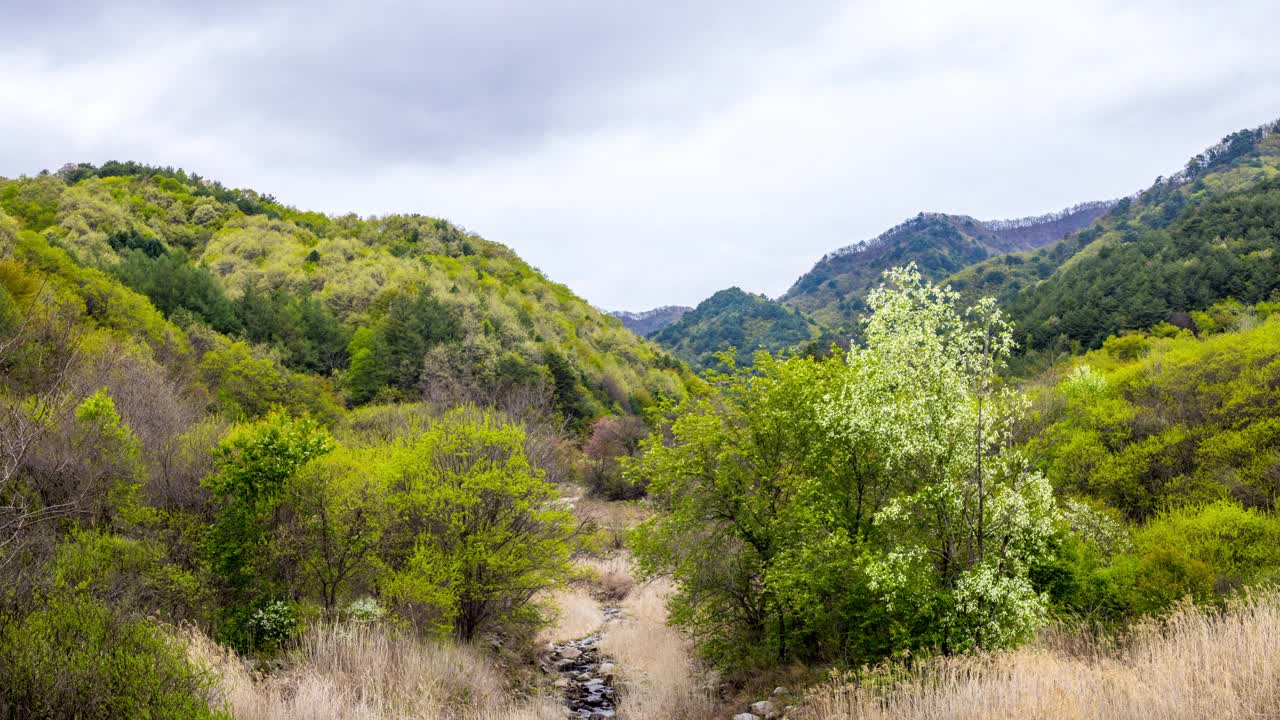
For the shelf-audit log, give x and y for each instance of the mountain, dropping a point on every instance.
(1208, 235)
(939, 244)
(735, 319)
(398, 307)
(650, 321)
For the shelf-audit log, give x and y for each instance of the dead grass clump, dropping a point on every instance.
(610, 576)
(660, 679)
(1195, 665)
(366, 673)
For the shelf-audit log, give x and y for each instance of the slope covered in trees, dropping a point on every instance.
(395, 307)
(834, 291)
(180, 442)
(738, 320)
(1209, 233)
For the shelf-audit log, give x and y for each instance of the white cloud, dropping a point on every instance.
(747, 159)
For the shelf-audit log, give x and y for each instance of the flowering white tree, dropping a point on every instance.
(967, 514)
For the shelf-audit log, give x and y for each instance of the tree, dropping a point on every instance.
(254, 463)
(336, 509)
(968, 515)
(478, 532)
(821, 509)
(613, 438)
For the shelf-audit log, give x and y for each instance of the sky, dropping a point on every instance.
(644, 153)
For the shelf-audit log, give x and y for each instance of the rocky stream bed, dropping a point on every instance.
(586, 676)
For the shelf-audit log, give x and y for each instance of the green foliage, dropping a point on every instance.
(1172, 253)
(1190, 421)
(1201, 553)
(255, 462)
(477, 531)
(173, 283)
(733, 319)
(834, 292)
(300, 285)
(76, 658)
(337, 512)
(814, 508)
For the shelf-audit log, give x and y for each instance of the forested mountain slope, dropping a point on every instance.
(834, 291)
(1209, 233)
(395, 307)
(735, 319)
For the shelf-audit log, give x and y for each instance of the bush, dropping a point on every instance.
(77, 659)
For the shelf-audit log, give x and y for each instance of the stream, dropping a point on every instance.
(586, 676)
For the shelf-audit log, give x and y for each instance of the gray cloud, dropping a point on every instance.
(644, 153)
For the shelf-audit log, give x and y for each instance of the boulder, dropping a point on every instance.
(746, 716)
(570, 653)
(780, 691)
(765, 709)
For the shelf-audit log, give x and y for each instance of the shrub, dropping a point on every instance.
(76, 658)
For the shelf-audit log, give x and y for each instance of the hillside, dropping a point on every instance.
(834, 291)
(649, 322)
(735, 319)
(1207, 234)
(399, 307)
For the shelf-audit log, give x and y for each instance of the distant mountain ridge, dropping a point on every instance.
(648, 322)
(938, 243)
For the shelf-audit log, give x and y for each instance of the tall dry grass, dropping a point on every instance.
(1194, 665)
(577, 615)
(661, 680)
(345, 672)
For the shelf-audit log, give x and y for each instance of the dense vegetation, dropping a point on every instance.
(219, 411)
(834, 292)
(388, 308)
(734, 320)
(904, 500)
(1205, 235)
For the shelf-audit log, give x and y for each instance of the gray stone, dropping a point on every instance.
(570, 653)
(780, 691)
(606, 668)
(746, 716)
(764, 708)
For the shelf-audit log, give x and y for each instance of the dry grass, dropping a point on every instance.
(613, 519)
(577, 615)
(1195, 666)
(361, 673)
(660, 678)
(610, 575)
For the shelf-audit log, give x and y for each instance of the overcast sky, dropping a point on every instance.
(644, 153)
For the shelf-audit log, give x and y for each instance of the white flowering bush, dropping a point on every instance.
(365, 610)
(860, 510)
(968, 515)
(273, 623)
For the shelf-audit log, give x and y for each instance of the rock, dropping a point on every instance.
(746, 716)
(606, 668)
(780, 691)
(561, 684)
(765, 709)
(570, 653)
